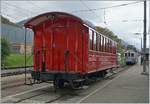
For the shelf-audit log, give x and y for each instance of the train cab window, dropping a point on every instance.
(129, 54)
(125, 54)
(94, 41)
(132, 54)
(90, 40)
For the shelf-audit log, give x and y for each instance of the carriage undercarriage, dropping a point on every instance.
(60, 80)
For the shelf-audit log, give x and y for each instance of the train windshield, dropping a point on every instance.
(132, 54)
(125, 54)
(129, 54)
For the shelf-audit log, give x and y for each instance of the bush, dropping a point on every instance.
(5, 49)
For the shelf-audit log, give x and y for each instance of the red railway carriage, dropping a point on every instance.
(67, 49)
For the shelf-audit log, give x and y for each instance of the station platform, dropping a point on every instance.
(129, 87)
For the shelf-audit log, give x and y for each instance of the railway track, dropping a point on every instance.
(48, 95)
(16, 71)
(13, 81)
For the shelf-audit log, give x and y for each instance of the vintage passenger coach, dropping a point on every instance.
(67, 49)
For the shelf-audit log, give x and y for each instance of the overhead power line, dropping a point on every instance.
(19, 8)
(40, 8)
(134, 20)
(114, 6)
(90, 9)
(20, 13)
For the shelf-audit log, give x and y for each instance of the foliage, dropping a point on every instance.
(110, 34)
(5, 49)
(6, 21)
(131, 47)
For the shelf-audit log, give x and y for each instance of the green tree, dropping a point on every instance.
(131, 47)
(110, 34)
(5, 49)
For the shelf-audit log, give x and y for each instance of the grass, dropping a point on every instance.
(18, 60)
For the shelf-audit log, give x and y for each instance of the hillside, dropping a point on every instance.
(14, 32)
(8, 22)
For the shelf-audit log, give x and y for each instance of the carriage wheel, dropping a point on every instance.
(61, 83)
(76, 85)
(58, 83)
(103, 73)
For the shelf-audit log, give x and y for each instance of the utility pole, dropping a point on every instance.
(141, 42)
(144, 40)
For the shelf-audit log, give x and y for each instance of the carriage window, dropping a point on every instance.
(97, 42)
(125, 54)
(102, 44)
(105, 44)
(94, 41)
(113, 46)
(90, 40)
(132, 54)
(108, 45)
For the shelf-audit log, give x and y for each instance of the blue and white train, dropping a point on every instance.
(131, 57)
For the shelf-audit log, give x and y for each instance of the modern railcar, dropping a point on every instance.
(130, 57)
(67, 49)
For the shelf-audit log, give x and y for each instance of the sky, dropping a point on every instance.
(124, 21)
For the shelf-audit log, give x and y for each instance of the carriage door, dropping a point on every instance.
(59, 45)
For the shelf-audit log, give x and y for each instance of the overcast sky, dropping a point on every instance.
(124, 21)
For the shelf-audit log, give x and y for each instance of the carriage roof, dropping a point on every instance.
(43, 17)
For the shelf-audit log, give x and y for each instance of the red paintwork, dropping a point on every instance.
(52, 37)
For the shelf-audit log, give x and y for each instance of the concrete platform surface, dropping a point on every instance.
(129, 87)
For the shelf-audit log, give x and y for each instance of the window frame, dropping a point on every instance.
(94, 41)
(110, 46)
(132, 54)
(90, 42)
(97, 41)
(100, 42)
